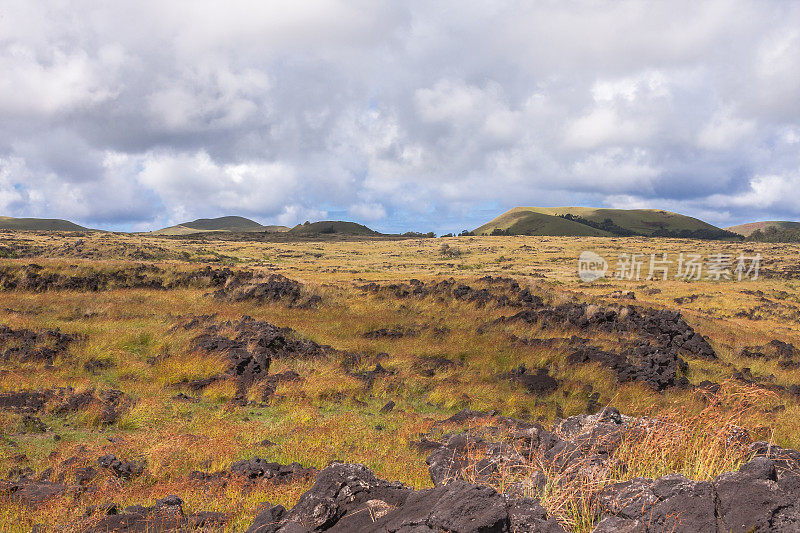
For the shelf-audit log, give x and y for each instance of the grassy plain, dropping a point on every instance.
(330, 414)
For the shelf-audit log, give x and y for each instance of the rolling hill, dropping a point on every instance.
(750, 227)
(591, 221)
(328, 227)
(228, 223)
(520, 221)
(39, 224)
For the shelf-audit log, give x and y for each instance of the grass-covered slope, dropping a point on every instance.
(603, 222)
(750, 227)
(38, 224)
(642, 221)
(338, 227)
(228, 223)
(519, 221)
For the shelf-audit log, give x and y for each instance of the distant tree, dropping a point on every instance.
(448, 235)
(465, 233)
(775, 234)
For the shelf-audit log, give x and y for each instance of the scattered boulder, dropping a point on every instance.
(25, 345)
(396, 332)
(645, 363)
(35, 278)
(120, 468)
(538, 384)
(662, 337)
(709, 387)
(430, 366)
(95, 366)
(749, 500)
(84, 475)
(348, 497)
(32, 424)
(273, 380)
(165, 515)
(30, 492)
(465, 455)
(369, 376)
(257, 469)
(275, 288)
(60, 400)
(249, 346)
(24, 400)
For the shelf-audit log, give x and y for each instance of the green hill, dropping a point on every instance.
(38, 224)
(327, 227)
(229, 223)
(750, 227)
(521, 222)
(583, 221)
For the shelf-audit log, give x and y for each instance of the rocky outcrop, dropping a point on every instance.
(538, 383)
(348, 497)
(121, 468)
(249, 346)
(752, 499)
(763, 495)
(110, 404)
(33, 277)
(25, 345)
(659, 339)
(165, 515)
(257, 469)
(273, 288)
(31, 492)
(575, 447)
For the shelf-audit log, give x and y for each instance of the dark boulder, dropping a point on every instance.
(257, 468)
(30, 492)
(752, 499)
(462, 454)
(120, 468)
(165, 515)
(538, 383)
(347, 498)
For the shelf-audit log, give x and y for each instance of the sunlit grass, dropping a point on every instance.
(332, 415)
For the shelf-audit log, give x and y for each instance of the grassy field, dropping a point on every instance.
(330, 414)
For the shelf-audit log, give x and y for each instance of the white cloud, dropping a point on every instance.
(367, 211)
(394, 112)
(606, 126)
(194, 183)
(724, 131)
(59, 81)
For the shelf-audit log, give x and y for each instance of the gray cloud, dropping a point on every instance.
(403, 115)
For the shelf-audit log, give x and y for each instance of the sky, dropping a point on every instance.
(407, 115)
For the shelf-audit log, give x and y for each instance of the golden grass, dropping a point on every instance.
(331, 415)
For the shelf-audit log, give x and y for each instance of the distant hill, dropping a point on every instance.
(38, 224)
(750, 227)
(601, 222)
(229, 223)
(519, 221)
(338, 227)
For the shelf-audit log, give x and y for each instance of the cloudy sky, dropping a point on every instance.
(408, 115)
